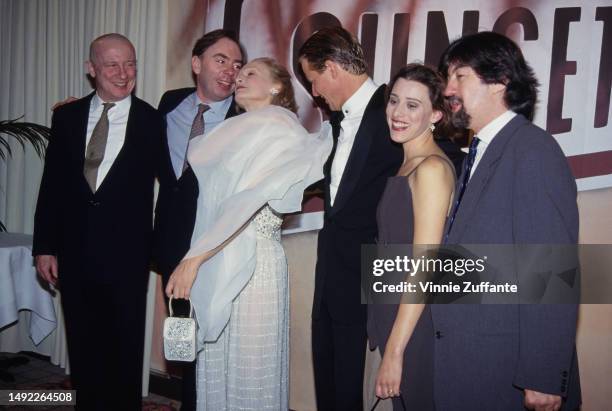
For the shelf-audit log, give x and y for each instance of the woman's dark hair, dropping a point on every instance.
(435, 84)
(285, 97)
(210, 38)
(497, 60)
(335, 44)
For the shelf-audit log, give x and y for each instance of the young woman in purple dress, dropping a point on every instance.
(412, 210)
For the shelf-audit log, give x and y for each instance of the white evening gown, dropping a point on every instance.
(247, 368)
(246, 167)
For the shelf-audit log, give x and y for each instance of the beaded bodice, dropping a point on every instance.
(268, 224)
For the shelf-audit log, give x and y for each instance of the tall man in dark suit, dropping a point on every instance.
(516, 188)
(362, 158)
(216, 60)
(93, 224)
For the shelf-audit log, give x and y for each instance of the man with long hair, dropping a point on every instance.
(516, 188)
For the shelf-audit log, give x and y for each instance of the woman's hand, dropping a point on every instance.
(389, 375)
(181, 280)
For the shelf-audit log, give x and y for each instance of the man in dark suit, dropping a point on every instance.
(93, 224)
(356, 172)
(216, 60)
(516, 188)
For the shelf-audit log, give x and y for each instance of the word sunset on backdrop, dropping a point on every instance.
(568, 43)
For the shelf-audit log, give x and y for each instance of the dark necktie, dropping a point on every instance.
(467, 168)
(94, 154)
(335, 118)
(197, 129)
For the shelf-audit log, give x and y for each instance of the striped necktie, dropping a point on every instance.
(197, 129)
(465, 177)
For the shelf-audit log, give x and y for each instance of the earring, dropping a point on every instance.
(274, 91)
(432, 127)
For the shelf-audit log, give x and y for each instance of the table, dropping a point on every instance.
(21, 289)
(30, 313)
(31, 316)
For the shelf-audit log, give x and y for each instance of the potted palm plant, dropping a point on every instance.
(23, 133)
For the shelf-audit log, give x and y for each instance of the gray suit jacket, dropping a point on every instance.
(522, 192)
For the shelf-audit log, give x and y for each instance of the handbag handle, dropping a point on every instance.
(171, 311)
(378, 400)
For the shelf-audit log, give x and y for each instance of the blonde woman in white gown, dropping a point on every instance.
(251, 169)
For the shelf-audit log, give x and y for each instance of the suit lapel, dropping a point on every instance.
(231, 112)
(327, 172)
(480, 178)
(79, 131)
(170, 100)
(368, 130)
(167, 108)
(130, 135)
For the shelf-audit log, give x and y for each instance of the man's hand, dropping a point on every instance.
(61, 103)
(540, 401)
(46, 265)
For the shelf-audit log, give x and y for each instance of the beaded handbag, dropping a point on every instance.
(180, 336)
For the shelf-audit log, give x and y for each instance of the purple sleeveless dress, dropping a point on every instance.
(395, 226)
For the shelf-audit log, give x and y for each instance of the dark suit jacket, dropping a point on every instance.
(352, 220)
(175, 211)
(452, 151)
(104, 235)
(522, 192)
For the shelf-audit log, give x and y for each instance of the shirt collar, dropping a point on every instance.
(120, 105)
(357, 103)
(216, 107)
(489, 131)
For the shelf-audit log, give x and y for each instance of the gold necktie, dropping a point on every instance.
(95, 149)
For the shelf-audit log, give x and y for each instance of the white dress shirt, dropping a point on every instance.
(180, 121)
(353, 110)
(117, 124)
(487, 134)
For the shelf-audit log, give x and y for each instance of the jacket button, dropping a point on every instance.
(175, 189)
(94, 203)
(564, 374)
(439, 335)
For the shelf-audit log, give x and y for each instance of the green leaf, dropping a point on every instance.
(23, 132)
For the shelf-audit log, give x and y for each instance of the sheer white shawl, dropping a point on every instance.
(260, 157)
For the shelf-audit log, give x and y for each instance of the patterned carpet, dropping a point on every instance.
(33, 372)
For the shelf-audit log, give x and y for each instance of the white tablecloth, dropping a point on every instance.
(30, 313)
(20, 288)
